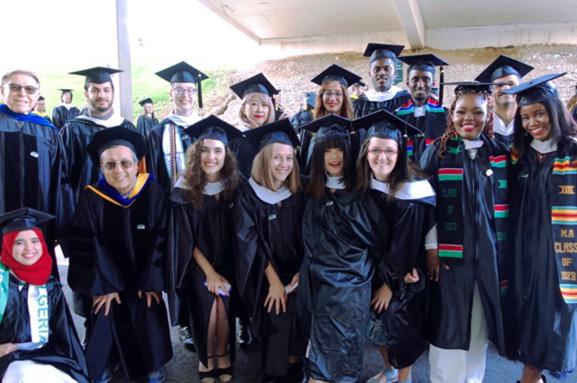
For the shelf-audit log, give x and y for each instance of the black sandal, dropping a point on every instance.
(204, 376)
(224, 374)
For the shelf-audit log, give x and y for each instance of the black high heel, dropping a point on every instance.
(224, 374)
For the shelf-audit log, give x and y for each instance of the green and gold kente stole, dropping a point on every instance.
(564, 225)
(450, 225)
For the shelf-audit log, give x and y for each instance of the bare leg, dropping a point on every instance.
(222, 339)
(311, 380)
(210, 341)
(530, 374)
(405, 373)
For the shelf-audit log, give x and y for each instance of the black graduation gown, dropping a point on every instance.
(155, 163)
(33, 172)
(302, 118)
(144, 123)
(244, 153)
(335, 283)
(209, 228)
(76, 135)
(451, 299)
(548, 340)
(403, 320)
(121, 249)
(269, 233)
(362, 106)
(61, 115)
(63, 349)
(505, 140)
(433, 126)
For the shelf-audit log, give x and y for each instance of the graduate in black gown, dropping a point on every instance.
(468, 171)
(116, 249)
(335, 278)
(167, 142)
(331, 98)
(406, 200)
(38, 341)
(65, 111)
(544, 278)
(146, 120)
(267, 217)
(33, 170)
(79, 131)
(384, 95)
(423, 110)
(256, 109)
(506, 72)
(201, 233)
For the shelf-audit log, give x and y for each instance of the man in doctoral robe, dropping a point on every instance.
(116, 249)
(33, 169)
(508, 72)
(423, 110)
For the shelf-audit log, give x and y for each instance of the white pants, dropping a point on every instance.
(27, 371)
(459, 366)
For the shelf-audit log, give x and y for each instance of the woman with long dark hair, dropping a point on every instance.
(338, 264)
(267, 217)
(468, 171)
(544, 277)
(201, 233)
(406, 201)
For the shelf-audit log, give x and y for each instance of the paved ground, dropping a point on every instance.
(182, 368)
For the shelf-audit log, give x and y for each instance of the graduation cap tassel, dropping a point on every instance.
(441, 86)
(199, 86)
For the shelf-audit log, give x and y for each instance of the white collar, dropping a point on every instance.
(184, 121)
(212, 188)
(414, 190)
(376, 96)
(111, 122)
(337, 183)
(67, 106)
(544, 147)
(472, 144)
(269, 196)
(500, 127)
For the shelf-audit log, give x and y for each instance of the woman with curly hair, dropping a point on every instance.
(468, 171)
(544, 279)
(201, 233)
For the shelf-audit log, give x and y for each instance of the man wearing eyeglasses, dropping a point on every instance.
(31, 154)
(166, 155)
(167, 142)
(116, 251)
(78, 132)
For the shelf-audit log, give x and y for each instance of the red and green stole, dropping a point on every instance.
(563, 199)
(450, 174)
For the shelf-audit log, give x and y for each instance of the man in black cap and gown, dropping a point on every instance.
(423, 110)
(508, 72)
(116, 249)
(65, 111)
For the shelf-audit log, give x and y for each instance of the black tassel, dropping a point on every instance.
(199, 89)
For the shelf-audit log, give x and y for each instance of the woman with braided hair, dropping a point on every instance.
(468, 171)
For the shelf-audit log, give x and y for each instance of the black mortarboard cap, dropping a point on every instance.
(337, 73)
(41, 98)
(425, 63)
(147, 100)
(66, 90)
(329, 126)
(214, 128)
(255, 84)
(109, 137)
(380, 51)
(280, 131)
(503, 66)
(97, 75)
(360, 82)
(472, 86)
(23, 219)
(384, 124)
(183, 72)
(536, 90)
